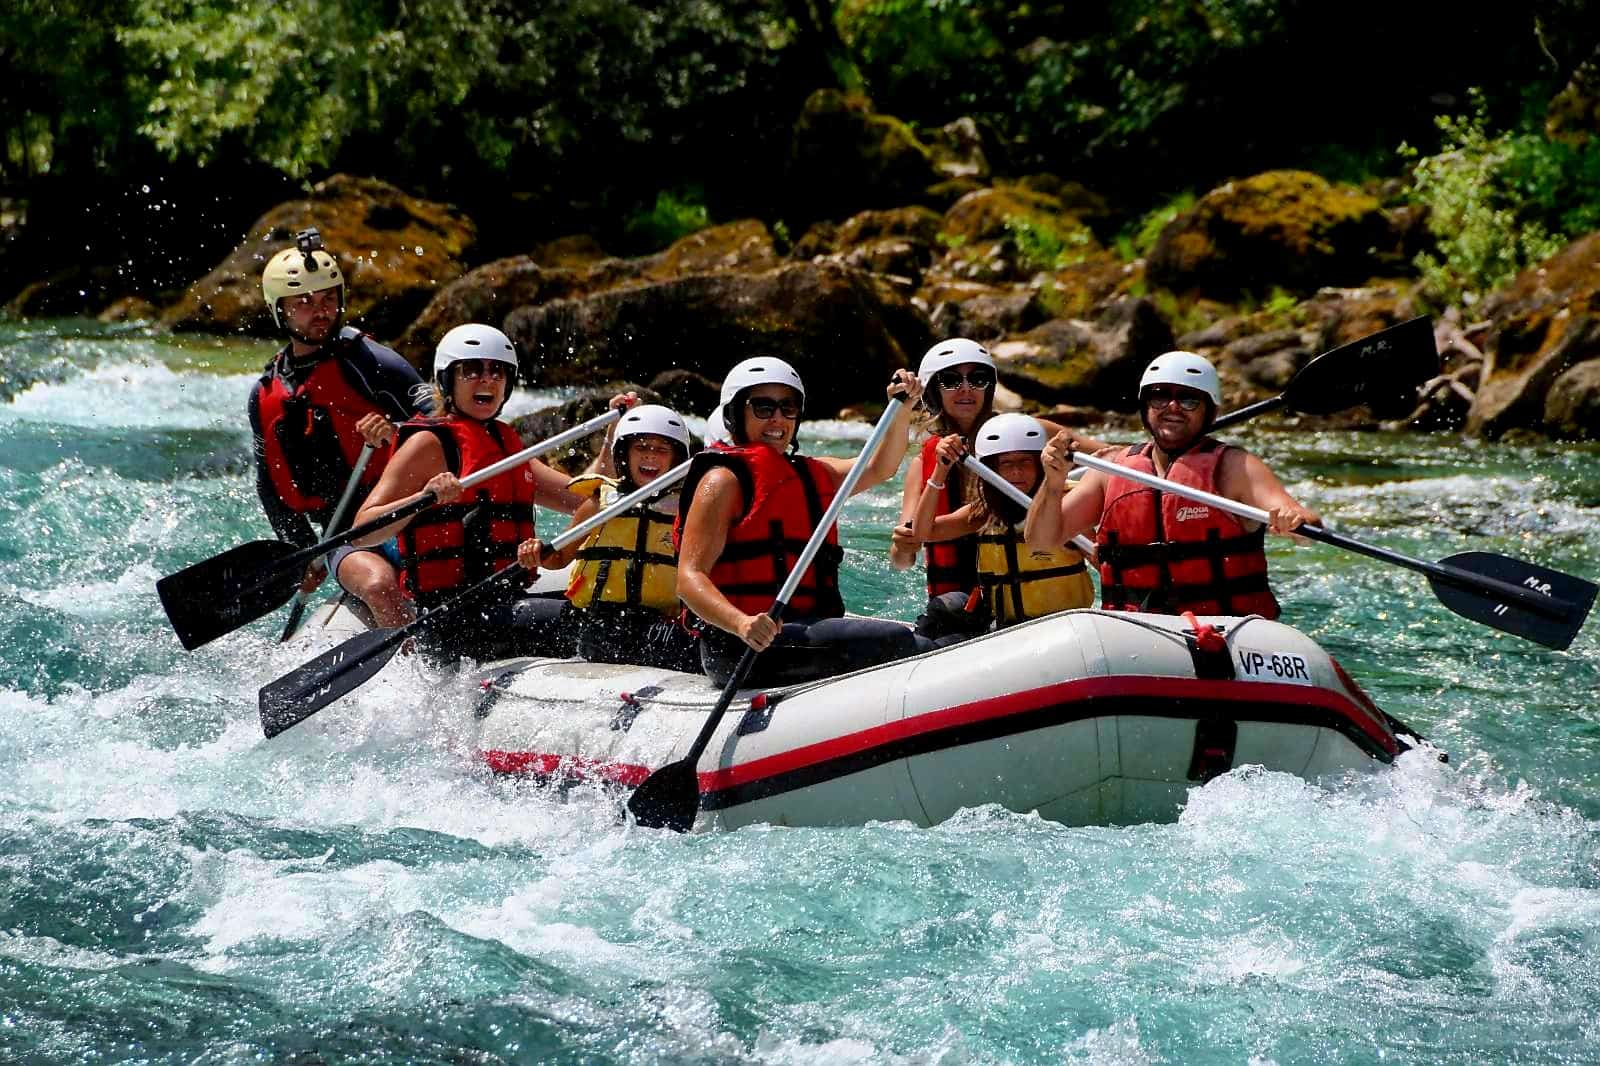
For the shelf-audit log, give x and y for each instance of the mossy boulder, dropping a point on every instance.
(1543, 324)
(1572, 407)
(845, 157)
(397, 252)
(1088, 363)
(1011, 232)
(1287, 229)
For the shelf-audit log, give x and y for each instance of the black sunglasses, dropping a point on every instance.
(1159, 397)
(951, 380)
(766, 407)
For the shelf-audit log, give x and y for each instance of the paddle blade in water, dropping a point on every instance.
(222, 593)
(1553, 625)
(299, 694)
(1382, 371)
(668, 798)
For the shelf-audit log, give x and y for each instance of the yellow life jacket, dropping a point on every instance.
(629, 560)
(1020, 582)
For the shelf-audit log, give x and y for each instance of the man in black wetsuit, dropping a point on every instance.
(325, 394)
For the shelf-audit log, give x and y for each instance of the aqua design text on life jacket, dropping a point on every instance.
(629, 560)
(784, 497)
(952, 565)
(1020, 583)
(451, 546)
(309, 433)
(1164, 553)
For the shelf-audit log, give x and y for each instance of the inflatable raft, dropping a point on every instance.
(1087, 717)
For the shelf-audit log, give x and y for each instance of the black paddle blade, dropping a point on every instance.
(295, 614)
(304, 691)
(668, 798)
(1382, 371)
(1570, 597)
(222, 593)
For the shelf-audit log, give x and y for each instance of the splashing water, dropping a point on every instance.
(175, 889)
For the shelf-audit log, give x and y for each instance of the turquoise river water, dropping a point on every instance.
(174, 889)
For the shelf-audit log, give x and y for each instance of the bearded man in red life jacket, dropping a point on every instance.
(1158, 551)
(325, 394)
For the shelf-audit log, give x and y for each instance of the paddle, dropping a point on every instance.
(334, 525)
(302, 692)
(670, 797)
(224, 592)
(1017, 496)
(1378, 368)
(1526, 600)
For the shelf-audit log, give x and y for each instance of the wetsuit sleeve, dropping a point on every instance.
(290, 526)
(391, 382)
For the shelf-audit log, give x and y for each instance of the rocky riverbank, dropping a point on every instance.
(917, 239)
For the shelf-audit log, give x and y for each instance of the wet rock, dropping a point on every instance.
(397, 252)
(77, 290)
(130, 309)
(1572, 406)
(1543, 324)
(548, 421)
(1071, 361)
(686, 390)
(843, 329)
(491, 292)
(1284, 228)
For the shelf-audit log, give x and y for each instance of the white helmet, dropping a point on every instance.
(1183, 368)
(953, 352)
(1009, 433)
(716, 432)
(474, 341)
(760, 371)
(652, 418)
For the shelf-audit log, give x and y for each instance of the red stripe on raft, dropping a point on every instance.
(1161, 688)
(577, 766)
(1170, 688)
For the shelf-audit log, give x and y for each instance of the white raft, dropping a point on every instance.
(1088, 717)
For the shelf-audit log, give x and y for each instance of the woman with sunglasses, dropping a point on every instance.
(958, 376)
(1157, 551)
(746, 513)
(469, 534)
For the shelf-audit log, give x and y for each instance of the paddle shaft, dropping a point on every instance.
(1017, 496)
(1244, 414)
(1548, 606)
(426, 500)
(309, 690)
(818, 537)
(339, 512)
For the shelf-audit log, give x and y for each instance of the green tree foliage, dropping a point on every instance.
(437, 86)
(1156, 95)
(1499, 203)
(62, 104)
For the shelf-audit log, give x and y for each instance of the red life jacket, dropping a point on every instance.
(450, 546)
(784, 498)
(1164, 553)
(952, 564)
(310, 436)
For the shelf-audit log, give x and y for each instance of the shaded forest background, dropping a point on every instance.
(149, 133)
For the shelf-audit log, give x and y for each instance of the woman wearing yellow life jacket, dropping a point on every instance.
(624, 590)
(1014, 582)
